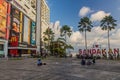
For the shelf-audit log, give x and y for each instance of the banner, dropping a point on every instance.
(26, 28)
(3, 13)
(33, 31)
(15, 22)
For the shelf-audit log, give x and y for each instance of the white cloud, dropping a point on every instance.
(57, 24)
(84, 11)
(98, 31)
(97, 36)
(76, 37)
(56, 28)
(116, 34)
(98, 16)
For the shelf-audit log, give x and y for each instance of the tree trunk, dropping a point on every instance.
(58, 49)
(86, 43)
(108, 44)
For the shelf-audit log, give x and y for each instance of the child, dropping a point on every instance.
(39, 62)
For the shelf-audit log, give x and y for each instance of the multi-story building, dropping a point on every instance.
(19, 33)
(22, 37)
(43, 20)
(33, 4)
(45, 17)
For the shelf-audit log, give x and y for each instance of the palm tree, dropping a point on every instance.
(108, 23)
(61, 46)
(65, 31)
(49, 37)
(85, 25)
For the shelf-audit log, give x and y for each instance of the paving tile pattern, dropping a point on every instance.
(58, 69)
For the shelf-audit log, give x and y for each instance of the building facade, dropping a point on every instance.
(20, 32)
(4, 27)
(22, 37)
(43, 20)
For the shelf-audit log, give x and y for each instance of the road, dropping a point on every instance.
(58, 69)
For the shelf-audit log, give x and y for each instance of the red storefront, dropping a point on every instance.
(13, 43)
(20, 33)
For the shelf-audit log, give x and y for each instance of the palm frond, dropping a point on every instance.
(85, 24)
(108, 23)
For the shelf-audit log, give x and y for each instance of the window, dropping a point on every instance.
(1, 47)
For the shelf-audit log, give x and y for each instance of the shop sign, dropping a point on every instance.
(14, 41)
(99, 51)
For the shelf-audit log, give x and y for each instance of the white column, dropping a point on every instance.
(107, 53)
(6, 49)
(38, 24)
(101, 51)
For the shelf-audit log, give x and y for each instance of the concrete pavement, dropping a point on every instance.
(58, 69)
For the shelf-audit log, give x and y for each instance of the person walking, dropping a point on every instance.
(83, 62)
(94, 60)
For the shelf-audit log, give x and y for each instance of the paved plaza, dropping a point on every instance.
(58, 69)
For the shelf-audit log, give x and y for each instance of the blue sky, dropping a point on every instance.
(67, 11)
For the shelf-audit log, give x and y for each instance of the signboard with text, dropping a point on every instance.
(13, 41)
(99, 51)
